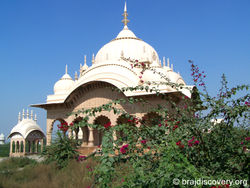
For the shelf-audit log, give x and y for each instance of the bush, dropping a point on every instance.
(14, 163)
(5, 150)
(61, 150)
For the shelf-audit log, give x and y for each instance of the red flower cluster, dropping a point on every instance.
(197, 76)
(247, 103)
(179, 144)
(124, 149)
(134, 120)
(64, 126)
(175, 127)
(143, 141)
(191, 143)
(107, 125)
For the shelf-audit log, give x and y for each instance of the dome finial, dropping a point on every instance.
(23, 114)
(31, 114)
(76, 76)
(125, 15)
(19, 117)
(85, 60)
(35, 118)
(66, 69)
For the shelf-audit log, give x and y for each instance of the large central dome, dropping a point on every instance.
(127, 45)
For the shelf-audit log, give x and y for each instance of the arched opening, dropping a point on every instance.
(126, 127)
(17, 147)
(148, 124)
(39, 147)
(33, 146)
(77, 132)
(55, 129)
(22, 147)
(101, 121)
(151, 119)
(27, 146)
(13, 147)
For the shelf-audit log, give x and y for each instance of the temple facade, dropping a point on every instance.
(112, 67)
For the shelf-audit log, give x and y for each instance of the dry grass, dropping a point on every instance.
(48, 176)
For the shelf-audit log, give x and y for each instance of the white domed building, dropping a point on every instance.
(2, 139)
(112, 67)
(26, 137)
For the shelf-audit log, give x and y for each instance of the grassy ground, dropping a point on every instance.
(27, 173)
(5, 150)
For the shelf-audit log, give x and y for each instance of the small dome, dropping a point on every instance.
(64, 84)
(24, 127)
(162, 75)
(175, 77)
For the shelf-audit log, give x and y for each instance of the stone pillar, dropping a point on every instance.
(11, 147)
(41, 145)
(91, 136)
(49, 138)
(30, 147)
(114, 135)
(49, 131)
(15, 146)
(84, 136)
(70, 133)
(36, 145)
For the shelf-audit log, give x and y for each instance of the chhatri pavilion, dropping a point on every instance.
(111, 69)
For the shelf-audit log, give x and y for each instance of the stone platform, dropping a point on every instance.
(87, 150)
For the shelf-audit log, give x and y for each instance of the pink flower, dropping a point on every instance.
(140, 77)
(159, 124)
(197, 142)
(191, 140)
(124, 148)
(143, 141)
(247, 138)
(190, 144)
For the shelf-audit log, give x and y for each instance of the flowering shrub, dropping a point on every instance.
(190, 143)
(61, 150)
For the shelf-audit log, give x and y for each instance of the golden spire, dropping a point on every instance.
(125, 15)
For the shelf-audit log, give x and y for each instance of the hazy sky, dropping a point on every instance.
(38, 38)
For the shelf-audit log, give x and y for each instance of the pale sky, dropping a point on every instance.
(38, 38)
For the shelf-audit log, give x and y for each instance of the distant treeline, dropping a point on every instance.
(5, 150)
